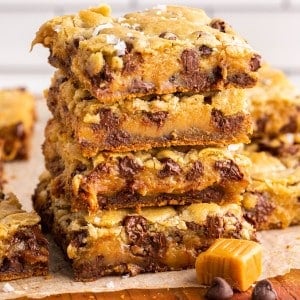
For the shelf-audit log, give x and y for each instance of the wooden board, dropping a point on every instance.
(287, 288)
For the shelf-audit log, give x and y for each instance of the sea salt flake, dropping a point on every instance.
(111, 39)
(120, 47)
(7, 288)
(235, 147)
(101, 27)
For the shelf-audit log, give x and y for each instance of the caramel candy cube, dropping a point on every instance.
(239, 262)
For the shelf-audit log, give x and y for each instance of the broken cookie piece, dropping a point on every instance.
(17, 116)
(23, 249)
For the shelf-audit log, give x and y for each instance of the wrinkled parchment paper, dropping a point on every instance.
(281, 247)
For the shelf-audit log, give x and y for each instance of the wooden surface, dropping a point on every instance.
(287, 288)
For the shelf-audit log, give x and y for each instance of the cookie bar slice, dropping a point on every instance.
(158, 51)
(285, 147)
(150, 240)
(156, 177)
(216, 119)
(17, 115)
(274, 104)
(272, 198)
(23, 248)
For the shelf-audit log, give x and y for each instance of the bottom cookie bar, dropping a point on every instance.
(130, 242)
(23, 249)
(272, 199)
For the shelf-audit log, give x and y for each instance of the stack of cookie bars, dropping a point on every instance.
(141, 172)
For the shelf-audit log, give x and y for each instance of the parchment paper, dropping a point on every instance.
(281, 247)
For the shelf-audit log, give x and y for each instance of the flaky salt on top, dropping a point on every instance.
(162, 50)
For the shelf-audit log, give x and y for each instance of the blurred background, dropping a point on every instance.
(270, 26)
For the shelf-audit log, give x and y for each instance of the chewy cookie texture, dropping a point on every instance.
(17, 116)
(272, 198)
(117, 58)
(141, 175)
(274, 104)
(151, 121)
(160, 176)
(150, 240)
(23, 248)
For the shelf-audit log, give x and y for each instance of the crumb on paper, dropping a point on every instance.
(125, 276)
(8, 288)
(110, 285)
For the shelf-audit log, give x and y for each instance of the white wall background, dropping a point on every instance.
(270, 26)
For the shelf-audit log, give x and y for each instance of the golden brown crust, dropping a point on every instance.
(133, 56)
(150, 240)
(16, 125)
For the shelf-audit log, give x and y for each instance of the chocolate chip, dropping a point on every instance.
(219, 290)
(205, 51)
(262, 210)
(241, 79)
(213, 193)
(189, 59)
(158, 117)
(261, 124)
(104, 75)
(214, 227)
(129, 47)
(195, 172)
(108, 119)
(118, 138)
(138, 86)
(128, 167)
(144, 242)
(229, 170)
(131, 61)
(168, 35)
(170, 168)
(255, 63)
(263, 290)
(291, 126)
(218, 24)
(226, 123)
(207, 100)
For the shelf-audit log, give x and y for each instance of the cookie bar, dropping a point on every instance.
(216, 119)
(150, 240)
(272, 198)
(161, 176)
(23, 248)
(274, 104)
(163, 50)
(16, 125)
(286, 147)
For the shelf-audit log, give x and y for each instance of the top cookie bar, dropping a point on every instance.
(163, 50)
